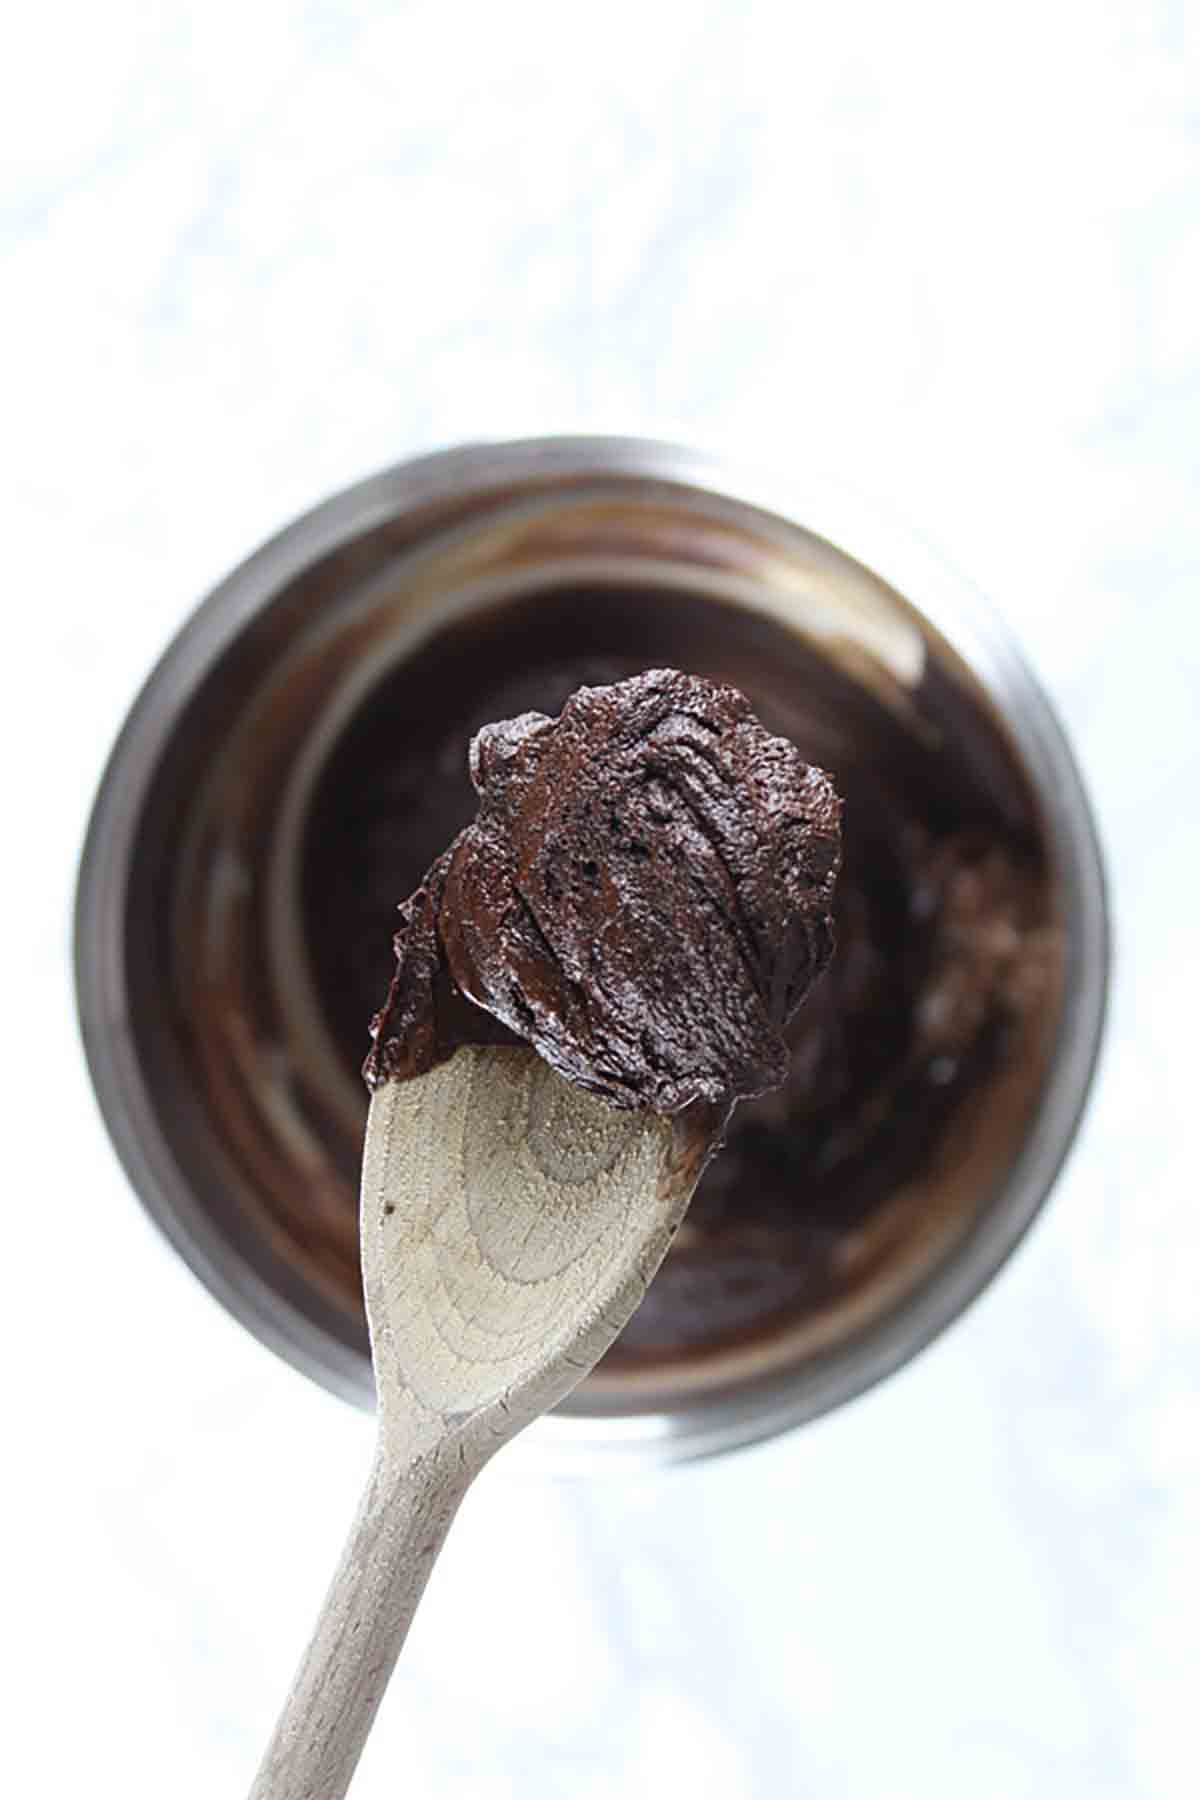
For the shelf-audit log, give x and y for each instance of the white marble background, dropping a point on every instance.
(952, 252)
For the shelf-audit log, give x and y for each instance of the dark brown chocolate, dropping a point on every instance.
(644, 897)
(948, 959)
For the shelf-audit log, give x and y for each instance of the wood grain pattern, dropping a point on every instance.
(510, 1225)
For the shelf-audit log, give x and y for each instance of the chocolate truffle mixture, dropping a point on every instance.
(643, 897)
(947, 945)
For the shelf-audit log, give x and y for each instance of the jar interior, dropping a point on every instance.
(322, 766)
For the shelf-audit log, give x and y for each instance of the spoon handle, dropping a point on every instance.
(401, 1524)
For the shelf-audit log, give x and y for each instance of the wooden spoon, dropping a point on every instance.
(510, 1225)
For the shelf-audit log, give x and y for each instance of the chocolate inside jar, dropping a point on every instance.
(948, 952)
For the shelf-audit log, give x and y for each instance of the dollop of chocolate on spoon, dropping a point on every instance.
(644, 897)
